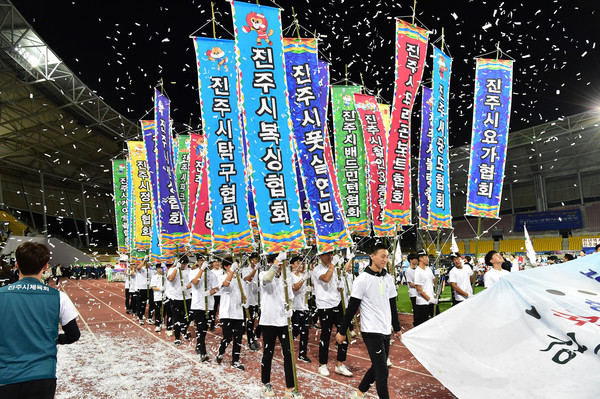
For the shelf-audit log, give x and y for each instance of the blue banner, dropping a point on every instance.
(425, 167)
(491, 116)
(302, 80)
(439, 205)
(549, 220)
(217, 83)
(266, 120)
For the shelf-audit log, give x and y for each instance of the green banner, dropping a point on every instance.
(182, 171)
(350, 158)
(120, 198)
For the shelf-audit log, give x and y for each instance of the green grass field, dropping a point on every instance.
(404, 305)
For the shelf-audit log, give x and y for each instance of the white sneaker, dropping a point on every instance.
(356, 395)
(343, 370)
(157, 329)
(323, 370)
(169, 333)
(389, 363)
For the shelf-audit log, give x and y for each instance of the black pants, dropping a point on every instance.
(329, 317)
(423, 313)
(168, 313)
(378, 346)
(187, 320)
(142, 299)
(300, 324)
(232, 331)
(35, 389)
(127, 299)
(134, 295)
(201, 328)
(178, 315)
(213, 313)
(250, 334)
(413, 301)
(269, 334)
(159, 312)
(151, 308)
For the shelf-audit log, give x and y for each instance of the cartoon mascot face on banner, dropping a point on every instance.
(217, 55)
(258, 22)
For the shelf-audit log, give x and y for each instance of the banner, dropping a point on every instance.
(174, 233)
(375, 147)
(549, 220)
(182, 171)
(141, 228)
(217, 83)
(541, 336)
(266, 119)
(411, 49)
(350, 158)
(308, 121)
(130, 206)
(119, 169)
(148, 132)
(200, 220)
(425, 167)
(439, 205)
(491, 116)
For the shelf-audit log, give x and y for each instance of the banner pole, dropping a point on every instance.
(414, 12)
(348, 289)
(339, 274)
(476, 252)
(206, 312)
(289, 321)
(239, 281)
(212, 9)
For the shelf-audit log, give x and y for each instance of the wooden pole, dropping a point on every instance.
(414, 12)
(296, 23)
(288, 306)
(239, 281)
(212, 9)
(476, 252)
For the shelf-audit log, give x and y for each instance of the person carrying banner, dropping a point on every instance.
(158, 291)
(274, 325)
(142, 285)
(491, 277)
(250, 276)
(300, 318)
(217, 270)
(31, 313)
(426, 300)
(175, 291)
(460, 279)
(133, 291)
(374, 293)
(204, 285)
(329, 307)
(413, 261)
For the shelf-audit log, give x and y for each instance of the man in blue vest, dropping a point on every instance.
(30, 314)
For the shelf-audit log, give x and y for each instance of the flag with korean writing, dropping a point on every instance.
(491, 116)
(440, 215)
(533, 334)
(130, 206)
(182, 170)
(411, 49)
(375, 145)
(142, 204)
(200, 221)
(350, 158)
(119, 169)
(174, 232)
(217, 83)
(266, 119)
(308, 126)
(148, 132)
(425, 167)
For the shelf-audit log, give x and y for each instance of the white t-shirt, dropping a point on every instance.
(515, 265)
(462, 278)
(410, 278)
(300, 295)
(157, 281)
(198, 298)
(327, 295)
(231, 301)
(220, 275)
(375, 292)
(424, 278)
(174, 290)
(492, 276)
(251, 287)
(347, 280)
(68, 311)
(187, 272)
(272, 312)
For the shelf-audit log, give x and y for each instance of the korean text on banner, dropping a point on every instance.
(411, 49)
(120, 197)
(491, 116)
(308, 122)
(199, 212)
(375, 145)
(425, 166)
(439, 205)
(174, 231)
(266, 119)
(217, 83)
(350, 158)
(142, 209)
(182, 171)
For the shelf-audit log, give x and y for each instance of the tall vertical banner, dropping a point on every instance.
(439, 206)
(491, 116)
(425, 166)
(411, 48)
(266, 119)
(141, 190)
(182, 171)
(217, 83)
(200, 221)
(350, 158)
(130, 206)
(375, 145)
(119, 170)
(174, 231)
(308, 124)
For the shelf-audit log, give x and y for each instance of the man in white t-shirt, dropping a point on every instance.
(217, 269)
(300, 318)
(410, 280)
(460, 278)
(157, 284)
(375, 294)
(491, 277)
(426, 299)
(250, 277)
(204, 285)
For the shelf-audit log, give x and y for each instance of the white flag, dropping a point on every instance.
(533, 334)
(398, 254)
(529, 247)
(454, 246)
